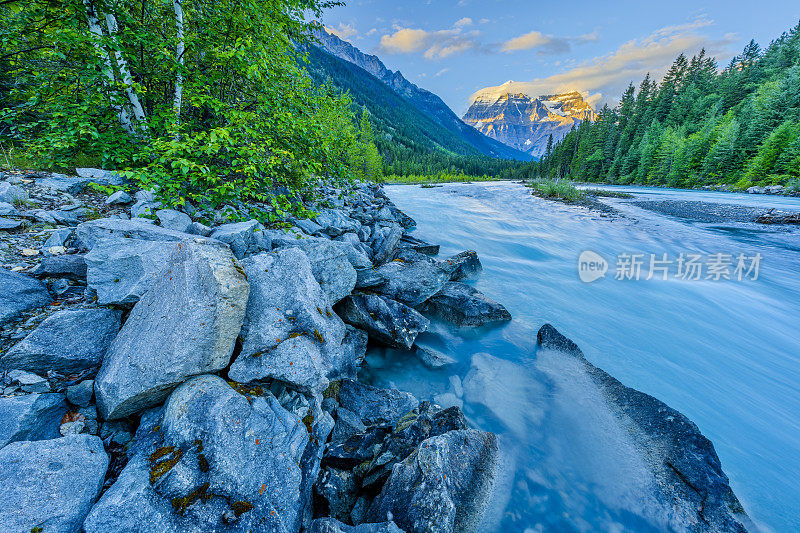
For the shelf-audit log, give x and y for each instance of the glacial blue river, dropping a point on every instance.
(725, 353)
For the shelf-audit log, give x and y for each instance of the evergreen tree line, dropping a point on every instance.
(699, 126)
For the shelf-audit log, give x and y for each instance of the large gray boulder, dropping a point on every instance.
(385, 243)
(290, 332)
(174, 220)
(685, 463)
(31, 417)
(444, 486)
(68, 266)
(89, 233)
(463, 265)
(50, 486)
(120, 271)
(68, 341)
(20, 293)
(186, 324)
(333, 263)
(465, 306)
(244, 238)
(374, 405)
(411, 283)
(385, 320)
(215, 461)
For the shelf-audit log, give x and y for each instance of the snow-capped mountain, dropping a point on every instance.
(523, 122)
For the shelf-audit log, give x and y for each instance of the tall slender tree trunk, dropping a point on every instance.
(179, 51)
(127, 79)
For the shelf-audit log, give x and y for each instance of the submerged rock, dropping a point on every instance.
(683, 460)
(20, 293)
(444, 486)
(50, 486)
(463, 305)
(30, 417)
(71, 340)
(290, 332)
(186, 324)
(433, 358)
(383, 319)
(213, 462)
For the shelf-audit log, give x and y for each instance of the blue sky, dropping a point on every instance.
(457, 47)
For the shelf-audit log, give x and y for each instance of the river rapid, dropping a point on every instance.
(726, 353)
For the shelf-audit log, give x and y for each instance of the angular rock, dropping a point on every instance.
(418, 245)
(67, 266)
(331, 525)
(50, 485)
(120, 271)
(308, 226)
(81, 394)
(354, 348)
(290, 332)
(60, 237)
(212, 458)
(145, 206)
(347, 424)
(383, 319)
(30, 417)
(6, 209)
(433, 358)
(89, 233)
(384, 244)
(62, 182)
(334, 222)
(373, 405)
(197, 228)
(103, 177)
(7, 224)
(465, 306)
(174, 220)
(68, 341)
(20, 293)
(405, 221)
(411, 283)
(11, 193)
(464, 265)
(119, 198)
(186, 324)
(244, 238)
(28, 381)
(444, 486)
(681, 457)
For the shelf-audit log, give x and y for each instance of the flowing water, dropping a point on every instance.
(725, 353)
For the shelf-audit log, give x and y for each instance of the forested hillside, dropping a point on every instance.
(409, 141)
(699, 126)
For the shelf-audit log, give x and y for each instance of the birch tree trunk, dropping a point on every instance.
(179, 50)
(127, 79)
(108, 70)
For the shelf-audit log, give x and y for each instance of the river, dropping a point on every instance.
(726, 353)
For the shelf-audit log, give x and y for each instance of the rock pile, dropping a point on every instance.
(168, 371)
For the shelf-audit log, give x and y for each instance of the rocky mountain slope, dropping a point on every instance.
(526, 123)
(423, 101)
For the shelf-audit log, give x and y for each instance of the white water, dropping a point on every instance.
(726, 354)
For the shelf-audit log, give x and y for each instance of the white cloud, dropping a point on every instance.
(345, 32)
(441, 72)
(466, 21)
(435, 44)
(546, 44)
(604, 78)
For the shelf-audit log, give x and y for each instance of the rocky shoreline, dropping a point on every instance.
(161, 374)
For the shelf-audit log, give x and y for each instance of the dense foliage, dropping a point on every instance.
(740, 126)
(409, 142)
(205, 100)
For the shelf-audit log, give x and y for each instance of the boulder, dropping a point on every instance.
(68, 341)
(290, 332)
(433, 358)
(331, 525)
(385, 320)
(354, 348)
(186, 324)
(418, 245)
(244, 238)
(405, 221)
(66, 266)
(7, 224)
(145, 206)
(682, 459)
(28, 381)
(464, 265)
(30, 417)
(347, 424)
(119, 198)
(373, 405)
(50, 486)
(103, 177)
(20, 293)
(81, 394)
(198, 228)
(120, 271)
(174, 220)
(385, 243)
(465, 306)
(60, 237)
(12, 194)
(62, 182)
(89, 233)
(331, 265)
(410, 283)
(334, 222)
(444, 486)
(214, 461)
(6, 209)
